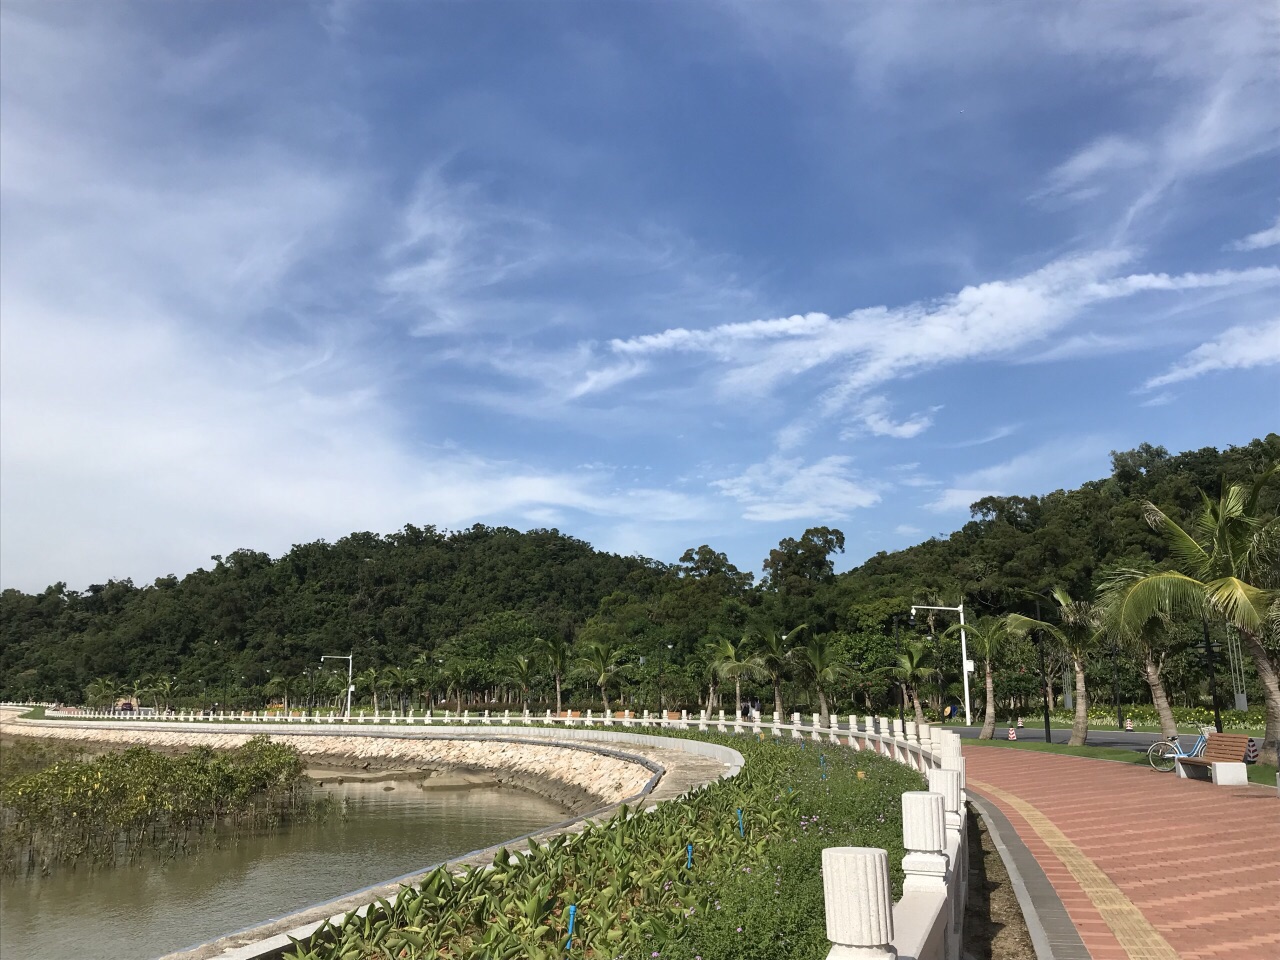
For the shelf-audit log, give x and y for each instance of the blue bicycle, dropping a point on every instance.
(1163, 755)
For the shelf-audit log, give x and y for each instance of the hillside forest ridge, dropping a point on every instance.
(492, 617)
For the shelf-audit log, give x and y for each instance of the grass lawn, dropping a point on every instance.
(1263, 773)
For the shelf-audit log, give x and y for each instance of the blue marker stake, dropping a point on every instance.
(688, 857)
(741, 830)
(573, 913)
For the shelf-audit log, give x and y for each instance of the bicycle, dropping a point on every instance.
(1163, 755)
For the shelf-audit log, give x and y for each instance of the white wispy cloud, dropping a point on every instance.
(1239, 348)
(1075, 177)
(874, 414)
(853, 354)
(781, 489)
(1267, 237)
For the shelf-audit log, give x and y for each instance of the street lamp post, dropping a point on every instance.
(965, 663)
(350, 658)
(1210, 649)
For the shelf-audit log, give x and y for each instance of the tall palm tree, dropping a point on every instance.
(521, 671)
(555, 652)
(707, 666)
(393, 681)
(1149, 640)
(138, 689)
(102, 692)
(775, 654)
(281, 685)
(425, 676)
(1080, 625)
(731, 662)
(370, 678)
(914, 669)
(600, 660)
(456, 676)
(818, 662)
(1226, 566)
(985, 638)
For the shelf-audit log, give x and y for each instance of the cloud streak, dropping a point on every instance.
(1263, 239)
(1239, 348)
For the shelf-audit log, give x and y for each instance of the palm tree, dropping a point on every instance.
(707, 666)
(370, 678)
(457, 676)
(914, 669)
(521, 671)
(281, 685)
(424, 677)
(731, 661)
(817, 660)
(1226, 566)
(139, 689)
(600, 660)
(1080, 624)
(985, 637)
(163, 690)
(101, 692)
(555, 652)
(393, 681)
(775, 653)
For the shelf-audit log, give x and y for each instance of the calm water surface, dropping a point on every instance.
(145, 911)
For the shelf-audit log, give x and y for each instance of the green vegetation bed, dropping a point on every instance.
(59, 808)
(688, 880)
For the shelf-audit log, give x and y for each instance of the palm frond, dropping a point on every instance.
(1189, 554)
(1241, 604)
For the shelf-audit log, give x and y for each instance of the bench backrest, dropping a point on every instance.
(1226, 747)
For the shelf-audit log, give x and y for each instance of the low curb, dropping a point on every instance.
(1052, 933)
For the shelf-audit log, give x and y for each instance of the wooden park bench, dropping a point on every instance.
(1222, 759)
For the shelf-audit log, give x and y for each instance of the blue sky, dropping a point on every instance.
(656, 274)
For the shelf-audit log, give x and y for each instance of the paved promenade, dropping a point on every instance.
(1149, 867)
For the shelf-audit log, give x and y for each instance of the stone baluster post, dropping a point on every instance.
(957, 762)
(924, 835)
(947, 783)
(853, 732)
(859, 907)
(795, 726)
(910, 732)
(899, 731)
(816, 734)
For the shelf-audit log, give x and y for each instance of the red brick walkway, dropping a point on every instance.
(1201, 863)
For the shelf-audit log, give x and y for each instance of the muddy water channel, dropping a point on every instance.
(151, 909)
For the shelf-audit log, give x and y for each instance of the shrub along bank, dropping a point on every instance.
(1144, 715)
(60, 809)
(731, 871)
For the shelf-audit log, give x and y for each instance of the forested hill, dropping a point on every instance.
(481, 595)
(479, 590)
(1016, 545)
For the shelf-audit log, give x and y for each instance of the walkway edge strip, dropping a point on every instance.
(997, 825)
(1129, 925)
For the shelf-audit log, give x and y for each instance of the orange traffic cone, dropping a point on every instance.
(1019, 723)
(1013, 734)
(1128, 725)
